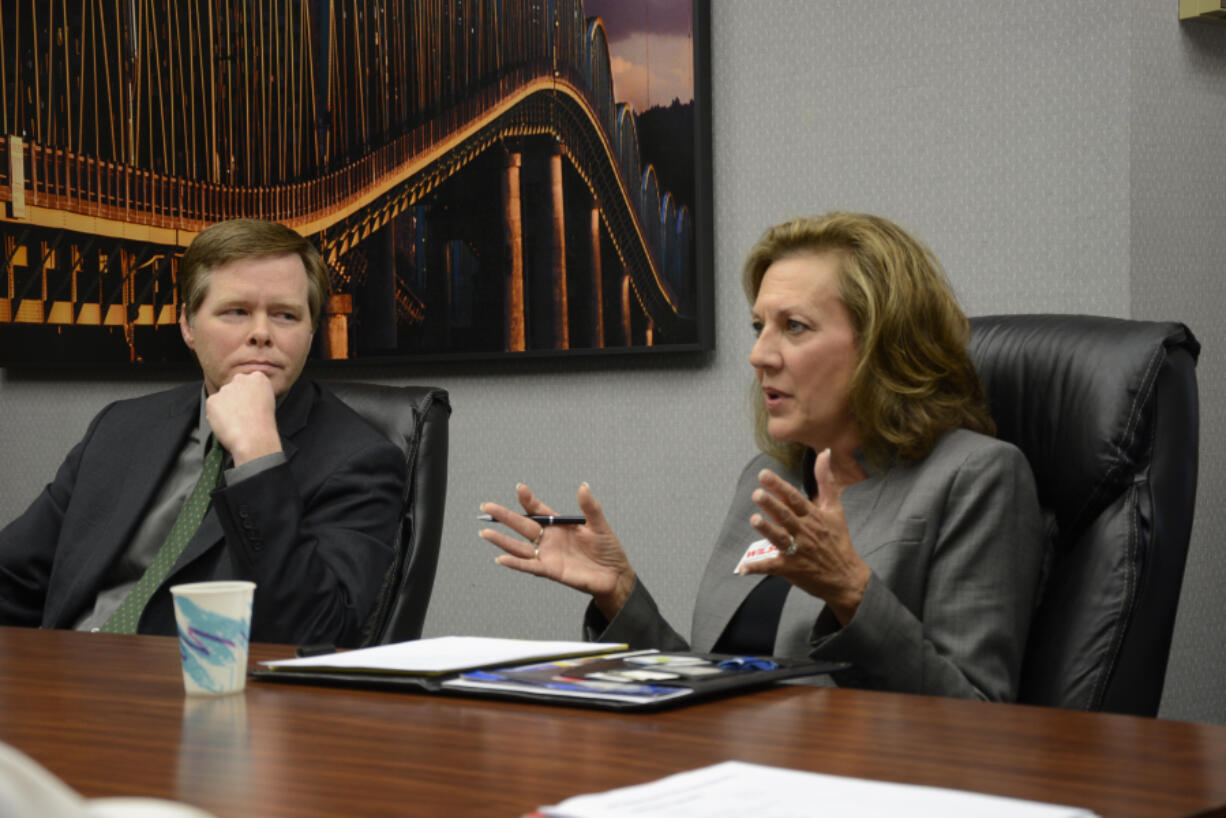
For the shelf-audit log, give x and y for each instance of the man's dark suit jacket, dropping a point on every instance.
(314, 533)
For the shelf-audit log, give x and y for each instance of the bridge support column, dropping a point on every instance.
(627, 304)
(597, 276)
(126, 299)
(561, 312)
(17, 177)
(514, 231)
(336, 326)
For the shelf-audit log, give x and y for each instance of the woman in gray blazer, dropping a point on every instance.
(883, 524)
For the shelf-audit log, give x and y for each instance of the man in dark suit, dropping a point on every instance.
(307, 502)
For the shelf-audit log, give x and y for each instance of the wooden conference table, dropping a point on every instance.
(108, 715)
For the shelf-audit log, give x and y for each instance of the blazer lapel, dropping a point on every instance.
(722, 590)
(293, 414)
(141, 466)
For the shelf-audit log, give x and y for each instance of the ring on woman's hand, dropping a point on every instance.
(539, 534)
(536, 553)
(792, 546)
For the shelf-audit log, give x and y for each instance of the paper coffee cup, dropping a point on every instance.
(214, 620)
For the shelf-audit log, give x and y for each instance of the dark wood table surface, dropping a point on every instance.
(107, 714)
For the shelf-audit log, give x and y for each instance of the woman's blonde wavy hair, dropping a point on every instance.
(915, 380)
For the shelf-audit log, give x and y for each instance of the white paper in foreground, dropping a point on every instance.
(734, 788)
(443, 654)
(29, 790)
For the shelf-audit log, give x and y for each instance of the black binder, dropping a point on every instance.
(633, 681)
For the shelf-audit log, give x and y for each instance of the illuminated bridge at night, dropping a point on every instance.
(463, 166)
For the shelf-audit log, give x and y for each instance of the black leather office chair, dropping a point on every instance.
(415, 418)
(1106, 411)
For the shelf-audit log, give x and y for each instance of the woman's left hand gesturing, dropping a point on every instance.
(815, 550)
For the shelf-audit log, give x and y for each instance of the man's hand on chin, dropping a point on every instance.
(242, 414)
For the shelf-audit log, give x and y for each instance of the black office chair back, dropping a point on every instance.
(415, 418)
(1106, 411)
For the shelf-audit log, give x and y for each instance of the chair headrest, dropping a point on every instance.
(1073, 392)
(396, 411)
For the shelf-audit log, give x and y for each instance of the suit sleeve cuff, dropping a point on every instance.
(253, 467)
(636, 618)
(866, 639)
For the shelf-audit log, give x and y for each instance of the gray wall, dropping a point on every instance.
(1058, 157)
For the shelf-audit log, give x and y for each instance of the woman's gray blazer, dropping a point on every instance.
(955, 544)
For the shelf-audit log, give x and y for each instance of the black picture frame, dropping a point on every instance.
(97, 207)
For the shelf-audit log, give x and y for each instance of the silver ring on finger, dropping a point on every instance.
(539, 534)
(792, 548)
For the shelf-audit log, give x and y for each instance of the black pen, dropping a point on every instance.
(545, 519)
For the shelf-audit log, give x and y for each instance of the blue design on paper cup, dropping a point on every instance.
(211, 640)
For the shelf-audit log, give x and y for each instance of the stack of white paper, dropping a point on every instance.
(442, 654)
(735, 788)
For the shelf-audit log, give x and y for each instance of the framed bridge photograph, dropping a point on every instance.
(484, 178)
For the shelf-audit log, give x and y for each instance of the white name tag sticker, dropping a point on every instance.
(756, 552)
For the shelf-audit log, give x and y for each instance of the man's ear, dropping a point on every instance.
(185, 328)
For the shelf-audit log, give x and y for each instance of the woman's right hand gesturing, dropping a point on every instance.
(587, 557)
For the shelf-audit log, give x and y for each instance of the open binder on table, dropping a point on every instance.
(585, 674)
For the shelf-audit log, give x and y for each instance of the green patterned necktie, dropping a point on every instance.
(127, 615)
